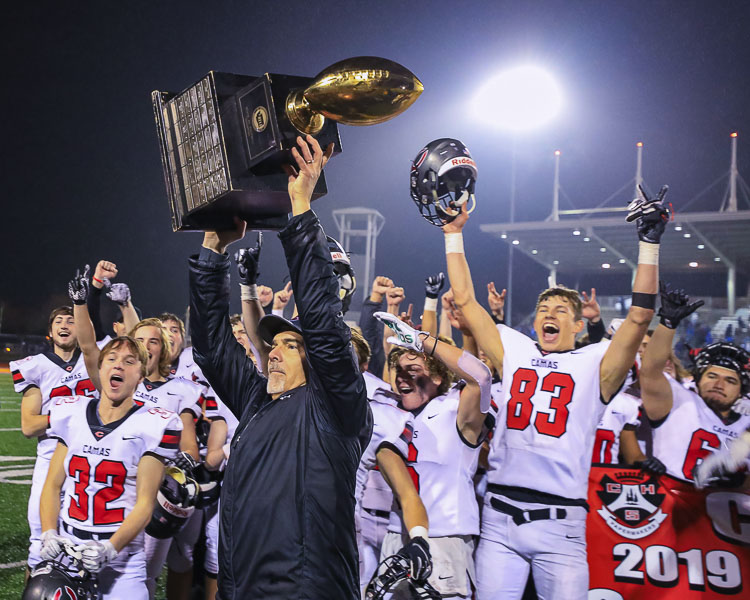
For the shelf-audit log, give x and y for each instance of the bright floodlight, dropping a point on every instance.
(518, 99)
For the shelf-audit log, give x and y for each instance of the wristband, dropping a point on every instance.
(454, 243)
(279, 312)
(418, 531)
(97, 279)
(648, 254)
(641, 300)
(248, 292)
(430, 304)
(435, 346)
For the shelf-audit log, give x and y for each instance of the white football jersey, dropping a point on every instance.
(690, 432)
(54, 378)
(624, 409)
(186, 368)
(374, 383)
(392, 427)
(102, 460)
(176, 395)
(552, 405)
(442, 465)
(216, 409)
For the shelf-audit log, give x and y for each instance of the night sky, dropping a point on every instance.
(83, 177)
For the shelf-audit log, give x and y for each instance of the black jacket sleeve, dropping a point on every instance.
(327, 337)
(94, 304)
(372, 331)
(230, 372)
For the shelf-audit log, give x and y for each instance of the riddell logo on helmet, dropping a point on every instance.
(457, 162)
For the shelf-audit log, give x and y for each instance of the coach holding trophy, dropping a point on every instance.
(287, 503)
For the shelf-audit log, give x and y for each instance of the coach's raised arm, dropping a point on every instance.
(287, 503)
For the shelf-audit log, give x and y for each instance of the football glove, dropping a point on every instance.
(78, 287)
(406, 336)
(675, 306)
(247, 262)
(95, 555)
(119, 293)
(433, 284)
(417, 552)
(187, 463)
(651, 216)
(52, 544)
(651, 465)
(724, 468)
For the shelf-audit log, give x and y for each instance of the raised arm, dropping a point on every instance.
(651, 218)
(327, 337)
(432, 286)
(478, 320)
(223, 361)
(252, 310)
(78, 291)
(371, 328)
(656, 392)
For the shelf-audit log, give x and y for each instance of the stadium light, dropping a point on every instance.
(693, 264)
(519, 99)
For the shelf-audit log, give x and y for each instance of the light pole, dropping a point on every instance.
(517, 100)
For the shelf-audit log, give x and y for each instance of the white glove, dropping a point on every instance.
(52, 544)
(119, 293)
(720, 464)
(94, 555)
(742, 406)
(406, 336)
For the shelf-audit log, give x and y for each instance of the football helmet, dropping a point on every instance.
(395, 569)
(55, 580)
(442, 180)
(175, 502)
(722, 354)
(342, 266)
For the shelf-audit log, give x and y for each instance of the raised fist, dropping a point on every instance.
(104, 271)
(379, 288)
(265, 295)
(394, 296)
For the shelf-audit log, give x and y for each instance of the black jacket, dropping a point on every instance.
(287, 503)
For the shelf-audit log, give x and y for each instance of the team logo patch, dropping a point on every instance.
(260, 119)
(630, 503)
(69, 368)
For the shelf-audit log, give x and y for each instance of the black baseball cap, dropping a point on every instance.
(272, 325)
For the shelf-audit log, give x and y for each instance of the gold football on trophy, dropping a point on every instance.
(364, 90)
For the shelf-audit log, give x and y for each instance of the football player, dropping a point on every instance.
(689, 425)
(450, 426)
(382, 475)
(108, 464)
(58, 371)
(554, 395)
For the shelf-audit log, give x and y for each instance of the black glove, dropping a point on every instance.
(675, 306)
(433, 284)
(651, 216)
(209, 486)
(653, 465)
(185, 462)
(417, 552)
(202, 429)
(247, 262)
(78, 287)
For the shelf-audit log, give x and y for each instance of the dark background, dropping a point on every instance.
(83, 176)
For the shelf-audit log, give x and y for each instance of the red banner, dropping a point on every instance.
(658, 537)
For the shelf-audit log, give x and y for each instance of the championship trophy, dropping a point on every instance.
(225, 139)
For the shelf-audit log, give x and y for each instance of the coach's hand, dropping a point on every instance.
(219, 240)
(247, 262)
(95, 555)
(78, 287)
(675, 306)
(417, 552)
(310, 160)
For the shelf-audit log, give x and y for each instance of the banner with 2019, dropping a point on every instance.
(658, 537)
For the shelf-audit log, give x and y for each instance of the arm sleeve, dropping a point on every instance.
(596, 331)
(327, 337)
(372, 330)
(94, 304)
(221, 359)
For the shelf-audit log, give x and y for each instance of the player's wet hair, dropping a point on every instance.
(133, 345)
(60, 310)
(165, 364)
(168, 316)
(434, 367)
(361, 347)
(571, 296)
(235, 319)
